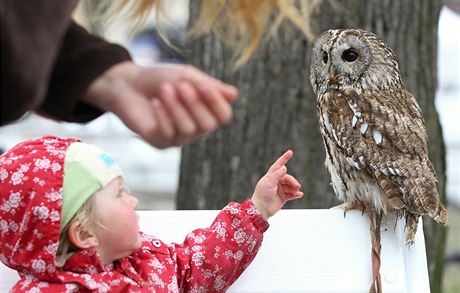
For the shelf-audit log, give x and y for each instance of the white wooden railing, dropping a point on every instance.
(305, 251)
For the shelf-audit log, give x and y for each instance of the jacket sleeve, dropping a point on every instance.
(81, 59)
(215, 257)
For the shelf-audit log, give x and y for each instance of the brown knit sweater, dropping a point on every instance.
(48, 61)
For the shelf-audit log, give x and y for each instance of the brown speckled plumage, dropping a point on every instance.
(373, 130)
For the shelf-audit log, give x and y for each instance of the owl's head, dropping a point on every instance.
(352, 58)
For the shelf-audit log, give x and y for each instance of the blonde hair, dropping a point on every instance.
(86, 215)
(241, 23)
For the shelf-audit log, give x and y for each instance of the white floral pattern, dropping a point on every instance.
(38, 265)
(3, 174)
(42, 164)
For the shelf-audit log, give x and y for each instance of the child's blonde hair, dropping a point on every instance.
(86, 215)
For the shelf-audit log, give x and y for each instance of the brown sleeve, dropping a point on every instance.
(47, 61)
(31, 34)
(82, 58)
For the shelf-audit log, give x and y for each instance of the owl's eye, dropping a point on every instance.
(349, 55)
(325, 57)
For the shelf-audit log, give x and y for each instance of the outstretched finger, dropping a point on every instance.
(228, 91)
(281, 161)
(203, 80)
(216, 103)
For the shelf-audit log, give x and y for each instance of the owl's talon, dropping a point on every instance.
(346, 206)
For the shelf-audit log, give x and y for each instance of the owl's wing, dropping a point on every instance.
(385, 136)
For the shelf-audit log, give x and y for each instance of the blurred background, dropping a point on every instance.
(448, 103)
(152, 175)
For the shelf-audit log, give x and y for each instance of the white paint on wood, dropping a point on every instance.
(305, 251)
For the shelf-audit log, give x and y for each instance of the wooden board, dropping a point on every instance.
(305, 251)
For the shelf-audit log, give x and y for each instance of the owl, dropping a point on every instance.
(373, 131)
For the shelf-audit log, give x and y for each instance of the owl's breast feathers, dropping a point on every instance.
(380, 137)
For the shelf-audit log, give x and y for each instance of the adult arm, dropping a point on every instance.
(82, 59)
(48, 61)
(31, 33)
(60, 71)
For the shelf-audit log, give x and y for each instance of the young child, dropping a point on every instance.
(68, 225)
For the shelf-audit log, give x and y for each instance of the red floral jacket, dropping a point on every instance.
(209, 260)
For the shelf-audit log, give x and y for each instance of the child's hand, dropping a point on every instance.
(276, 188)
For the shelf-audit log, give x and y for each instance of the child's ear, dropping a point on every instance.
(80, 237)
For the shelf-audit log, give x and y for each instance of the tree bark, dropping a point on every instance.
(276, 109)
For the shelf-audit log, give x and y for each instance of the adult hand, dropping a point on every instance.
(167, 105)
(276, 187)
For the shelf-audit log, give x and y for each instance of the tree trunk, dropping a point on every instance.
(276, 109)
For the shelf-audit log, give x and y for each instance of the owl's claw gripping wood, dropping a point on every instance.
(352, 205)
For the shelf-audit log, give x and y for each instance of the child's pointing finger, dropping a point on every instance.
(281, 161)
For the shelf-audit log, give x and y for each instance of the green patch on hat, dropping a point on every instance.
(87, 169)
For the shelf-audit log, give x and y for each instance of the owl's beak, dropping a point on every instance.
(331, 72)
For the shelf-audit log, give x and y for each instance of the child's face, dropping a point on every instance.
(115, 210)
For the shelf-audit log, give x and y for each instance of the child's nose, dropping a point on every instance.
(134, 201)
